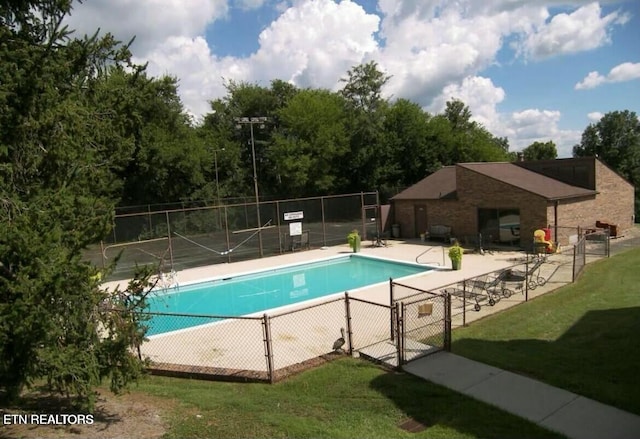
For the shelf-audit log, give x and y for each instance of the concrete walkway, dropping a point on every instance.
(556, 409)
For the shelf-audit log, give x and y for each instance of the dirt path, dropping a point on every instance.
(132, 415)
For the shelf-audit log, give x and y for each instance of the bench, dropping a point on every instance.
(439, 231)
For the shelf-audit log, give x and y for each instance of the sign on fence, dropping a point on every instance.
(295, 229)
(289, 216)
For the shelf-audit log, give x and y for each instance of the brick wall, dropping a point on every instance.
(474, 191)
(478, 191)
(614, 203)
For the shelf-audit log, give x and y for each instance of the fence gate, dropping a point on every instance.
(579, 258)
(597, 243)
(422, 321)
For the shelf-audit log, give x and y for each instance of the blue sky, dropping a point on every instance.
(529, 70)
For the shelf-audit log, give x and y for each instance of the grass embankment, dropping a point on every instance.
(584, 337)
(347, 398)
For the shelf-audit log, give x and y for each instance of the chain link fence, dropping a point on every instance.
(597, 242)
(201, 345)
(579, 257)
(304, 334)
(194, 236)
(414, 323)
(422, 320)
(270, 347)
(265, 348)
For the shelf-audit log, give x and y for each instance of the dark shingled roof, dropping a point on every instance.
(442, 183)
(527, 180)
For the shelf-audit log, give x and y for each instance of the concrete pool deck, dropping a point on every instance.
(407, 251)
(310, 334)
(238, 344)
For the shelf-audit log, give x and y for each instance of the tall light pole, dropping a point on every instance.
(252, 121)
(215, 161)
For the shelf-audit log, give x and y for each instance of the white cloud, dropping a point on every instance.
(535, 125)
(479, 94)
(151, 22)
(250, 4)
(622, 72)
(201, 76)
(593, 79)
(432, 49)
(595, 116)
(583, 29)
(522, 128)
(314, 43)
(430, 45)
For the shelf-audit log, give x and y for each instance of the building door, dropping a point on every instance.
(420, 215)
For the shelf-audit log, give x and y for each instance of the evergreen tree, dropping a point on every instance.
(56, 187)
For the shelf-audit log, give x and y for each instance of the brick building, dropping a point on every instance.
(507, 202)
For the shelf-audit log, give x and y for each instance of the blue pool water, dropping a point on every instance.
(251, 293)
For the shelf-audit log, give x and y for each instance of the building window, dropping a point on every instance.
(499, 226)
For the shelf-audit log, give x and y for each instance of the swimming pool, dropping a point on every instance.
(254, 292)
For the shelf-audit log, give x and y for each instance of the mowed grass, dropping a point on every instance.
(584, 337)
(347, 398)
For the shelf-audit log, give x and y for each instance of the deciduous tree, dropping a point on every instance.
(540, 151)
(311, 142)
(615, 139)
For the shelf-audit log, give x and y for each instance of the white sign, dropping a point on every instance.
(299, 280)
(295, 229)
(288, 216)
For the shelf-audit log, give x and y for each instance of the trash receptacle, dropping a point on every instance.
(395, 230)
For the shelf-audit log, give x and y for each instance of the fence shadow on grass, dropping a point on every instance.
(596, 357)
(426, 405)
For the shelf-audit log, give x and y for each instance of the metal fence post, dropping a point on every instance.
(378, 217)
(149, 218)
(573, 274)
(169, 236)
(362, 216)
(226, 228)
(347, 308)
(392, 309)
(324, 228)
(268, 348)
(280, 243)
(184, 219)
(447, 322)
(526, 279)
(464, 303)
(399, 336)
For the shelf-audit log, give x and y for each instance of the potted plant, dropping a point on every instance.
(455, 254)
(353, 239)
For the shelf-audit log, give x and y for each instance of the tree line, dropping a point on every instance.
(83, 129)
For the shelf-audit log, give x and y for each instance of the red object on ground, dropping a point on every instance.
(547, 234)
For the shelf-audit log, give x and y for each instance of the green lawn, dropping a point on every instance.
(347, 398)
(584, 337)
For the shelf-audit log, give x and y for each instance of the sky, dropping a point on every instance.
(529, 70)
